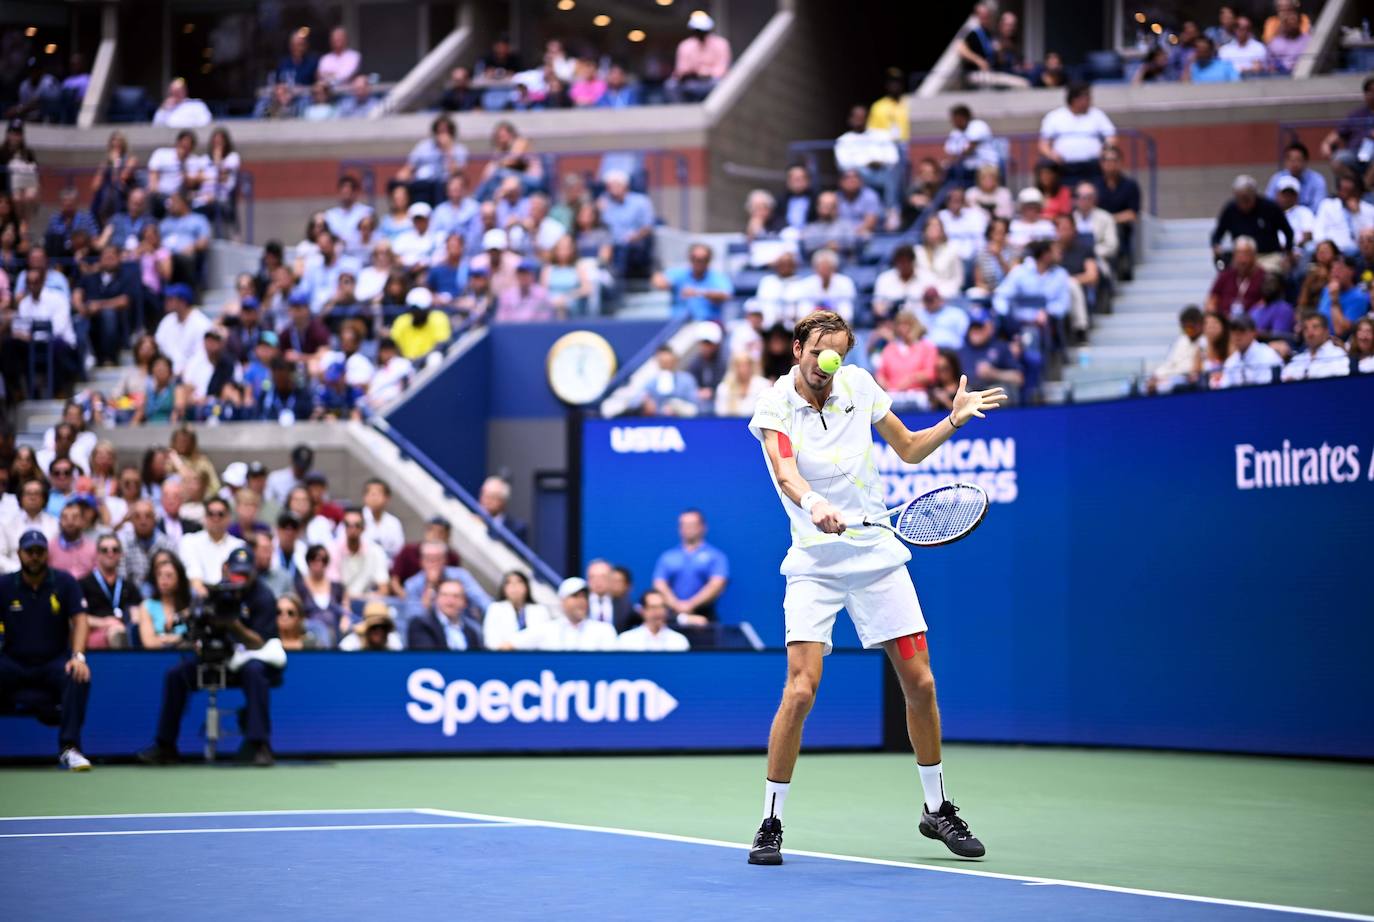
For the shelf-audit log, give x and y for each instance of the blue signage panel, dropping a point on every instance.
(1165, 572)
(488, 702)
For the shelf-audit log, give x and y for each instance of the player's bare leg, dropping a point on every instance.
(784, 745)
(910, 659)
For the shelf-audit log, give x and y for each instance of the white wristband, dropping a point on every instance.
(808, 500)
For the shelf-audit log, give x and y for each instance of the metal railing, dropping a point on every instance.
(1138, 149)
(661, 166)
(410, 451)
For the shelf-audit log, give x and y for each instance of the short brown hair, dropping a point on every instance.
(824, 322)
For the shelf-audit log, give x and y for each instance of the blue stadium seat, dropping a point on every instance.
(864, 277)
(129, 104)
(878, 249)
(746, 281)
(1104, 66)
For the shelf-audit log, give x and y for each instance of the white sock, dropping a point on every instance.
(933, 783)
(774, 796)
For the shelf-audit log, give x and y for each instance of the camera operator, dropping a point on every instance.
(254, 626)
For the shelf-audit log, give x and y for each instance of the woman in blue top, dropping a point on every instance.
(568, 281)
(159, 399)
(157, 619)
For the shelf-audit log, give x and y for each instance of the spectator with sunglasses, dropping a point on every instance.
(112, 601)
(204, 552)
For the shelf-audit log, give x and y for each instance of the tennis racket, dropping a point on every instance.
(939, 516)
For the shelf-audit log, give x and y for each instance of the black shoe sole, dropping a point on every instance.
(932, 834)
(765, 859)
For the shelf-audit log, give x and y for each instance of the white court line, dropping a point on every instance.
(492, 819)
(1108, 888)
(227, 829)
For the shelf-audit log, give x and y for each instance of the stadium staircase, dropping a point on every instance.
(1176, 270)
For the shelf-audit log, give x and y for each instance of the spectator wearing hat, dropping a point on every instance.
(246, 330)
(497, 260)
(1030, 222)
(698, 290)
(451, 623)
(1287, 192)
(709, 366)
(526, 301)
(334, 397)
(421, 328)
(71, 551)
(417, 247)
(1250, 214)
(990, 361)
(702, 59)
(1250, 361)
(1311, 184)
(256, 631)
(1074, 135)
(571, 630)
(375, 633)
(43, 617)
(103, 297)
(181, 333)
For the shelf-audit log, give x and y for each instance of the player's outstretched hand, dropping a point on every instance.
(968, 404)
(827, 518)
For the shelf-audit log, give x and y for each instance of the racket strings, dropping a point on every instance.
(941, 515)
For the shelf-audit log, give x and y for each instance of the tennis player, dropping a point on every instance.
(817, 435)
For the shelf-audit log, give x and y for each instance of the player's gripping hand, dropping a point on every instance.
(827, 518)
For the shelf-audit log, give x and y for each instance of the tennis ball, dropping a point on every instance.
(829, 361)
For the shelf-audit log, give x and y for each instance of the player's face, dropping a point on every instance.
(807, 355)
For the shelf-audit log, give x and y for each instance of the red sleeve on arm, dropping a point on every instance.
(784, 445)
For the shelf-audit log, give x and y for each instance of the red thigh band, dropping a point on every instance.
(911, 644)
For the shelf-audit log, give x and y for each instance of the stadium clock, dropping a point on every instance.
(581, 366)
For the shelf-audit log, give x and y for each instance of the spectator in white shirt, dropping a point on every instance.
(1030, 223)
(1180, 366)
(827, 289)
(742, 386)
(968, 147)
(512, 612)
(898, 287)
(936, 262)
(179, 111)
(1074, 134)
(1250, 361)
(359, 564)
(181, 333)
(381, 526)
(1090, 219)
(1300, 217)
(871, 154)
(654, 635)
(1246, 54)
(1322, 356)
(174, 169)
(966, 227)
(777, 296)
(573, 630)
(416, 247)
(343, 219)
(1341, 217)
(393, 374)
(204, 552)
(341, 63)
(40, 303)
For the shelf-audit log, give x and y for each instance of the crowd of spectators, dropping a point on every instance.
(144, 539)
(1295, 282)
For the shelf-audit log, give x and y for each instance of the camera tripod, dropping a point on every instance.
(211, 678)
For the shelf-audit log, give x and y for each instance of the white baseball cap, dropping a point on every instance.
(701, 21)
(420, 297)
(571, 586)
(1030, 196)
(419, 210)
(1289, 183)
(494, 239)
(708, 332)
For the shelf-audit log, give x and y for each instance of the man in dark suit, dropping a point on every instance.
(452, 624)
(105, 296)
(602, 605)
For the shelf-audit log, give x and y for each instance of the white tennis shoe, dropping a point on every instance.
(72, 760)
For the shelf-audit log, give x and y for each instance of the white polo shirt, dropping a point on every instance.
(643, 640)
(1077, 138)
(204, 557)
(1329, 361)
(561, 634)
(834, 451)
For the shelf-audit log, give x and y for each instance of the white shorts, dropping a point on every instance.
(871, 583)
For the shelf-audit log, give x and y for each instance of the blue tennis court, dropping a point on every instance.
(422, 863)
